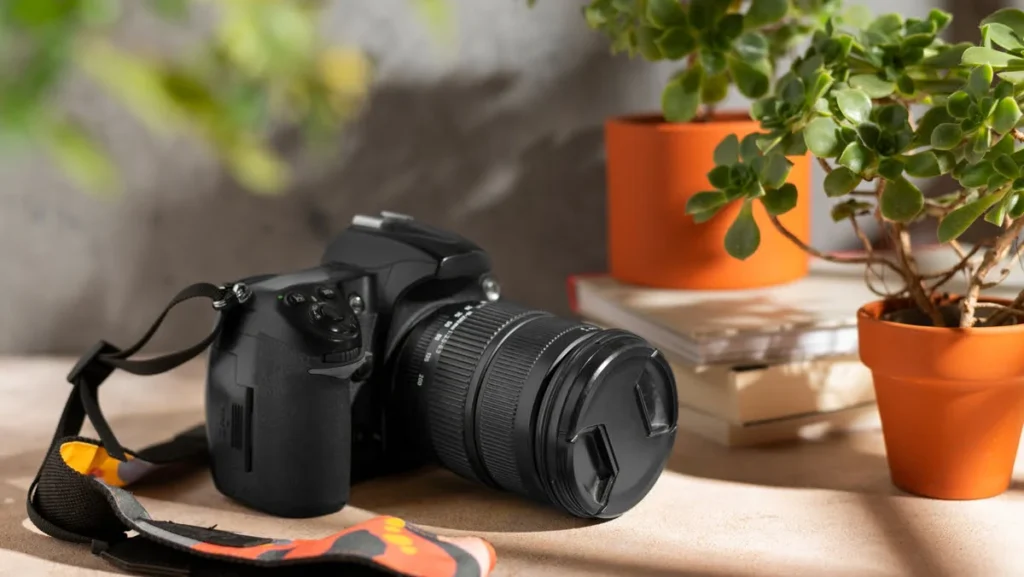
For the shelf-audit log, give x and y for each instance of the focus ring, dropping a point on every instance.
(500, 392)
(460, 356)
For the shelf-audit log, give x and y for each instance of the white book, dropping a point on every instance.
(798, 427)
(810, 318)
(749, 394)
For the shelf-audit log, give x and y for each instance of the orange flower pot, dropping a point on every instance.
(653, 168)
(951, 402)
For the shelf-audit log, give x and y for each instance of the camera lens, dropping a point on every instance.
(552, 409)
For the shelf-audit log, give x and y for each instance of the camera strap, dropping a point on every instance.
(79, 493)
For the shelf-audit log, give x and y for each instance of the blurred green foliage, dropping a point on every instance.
(263, 65)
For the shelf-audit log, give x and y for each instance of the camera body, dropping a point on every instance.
(397, 351)
(299, 380)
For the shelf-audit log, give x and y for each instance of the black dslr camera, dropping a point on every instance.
(396, 352)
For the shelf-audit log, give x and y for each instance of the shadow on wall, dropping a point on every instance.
(458, 154)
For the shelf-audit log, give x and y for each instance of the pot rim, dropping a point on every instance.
(863, 313)
(656, 121)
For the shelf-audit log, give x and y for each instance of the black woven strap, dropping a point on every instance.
(78, 493)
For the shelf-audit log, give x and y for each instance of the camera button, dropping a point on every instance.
(293, 299)
(316, 312)
(326, 293)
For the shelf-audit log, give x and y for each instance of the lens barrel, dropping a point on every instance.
(549, 408)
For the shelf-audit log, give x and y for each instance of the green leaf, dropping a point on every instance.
(705, 201)
(957, 222)
(892, 117)
(666, 13)
(901, 200)
(1003, 36)
(887, 24)
(906, 84)
(775, 171)
(997, 215)
(676, 43)
(822, 137)
(891, 168)
(681, 97)
(1009, 17)
(979, 55)
(855, 157)
(980, 81)
(959, 104)
(948, 56)
(872, 85)
(702, 217)
(792, 90)
(81, 158)
(851, 207)
(751, 80)
(1006, 115)
(715, 89)
(855, 104)
(977, 175)
(947, 136)
(763, 12)
(870, 134)
(1005, 166)
(645, 37)
(727, 152)
(743, 236)
(923, 165)
(731, 26)
(712, 61)
(719, 177)
(1016, 207)
(928, 122)
(748, 147)
(947, 160)
(1003, 89)
(778, 201)
(752, 46)
(841, 181)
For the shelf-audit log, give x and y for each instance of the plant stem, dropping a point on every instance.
(1006, 310)
(824, 164)
(908, 267)
(1017, 134)
(992, 255)
(870, 259)
(945, 276)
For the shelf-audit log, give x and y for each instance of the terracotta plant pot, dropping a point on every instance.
(653, 168)
(951, 402)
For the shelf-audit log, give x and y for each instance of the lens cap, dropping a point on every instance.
(612, 426)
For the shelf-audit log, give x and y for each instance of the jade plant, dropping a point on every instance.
(719, 43)
(882, 104)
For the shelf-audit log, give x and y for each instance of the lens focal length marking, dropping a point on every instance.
(441, 338)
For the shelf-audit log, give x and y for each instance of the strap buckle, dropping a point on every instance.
(238, 292)
(91, 368)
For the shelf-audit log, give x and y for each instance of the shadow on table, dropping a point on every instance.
(852, 462)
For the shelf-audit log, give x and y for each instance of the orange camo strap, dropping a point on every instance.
(406, 550)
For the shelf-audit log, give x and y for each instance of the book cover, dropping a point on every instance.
(798, 427)
(748, 394)
(807, 319)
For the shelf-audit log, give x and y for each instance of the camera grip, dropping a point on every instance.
(280, 437)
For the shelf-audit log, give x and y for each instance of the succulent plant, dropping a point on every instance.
(722, 43)
(884, 102)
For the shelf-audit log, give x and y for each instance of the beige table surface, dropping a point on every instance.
(813, 508)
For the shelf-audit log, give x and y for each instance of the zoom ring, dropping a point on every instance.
(452, 379)
(500, 392)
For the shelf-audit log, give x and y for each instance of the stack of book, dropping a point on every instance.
(751, 366)
(763, 365)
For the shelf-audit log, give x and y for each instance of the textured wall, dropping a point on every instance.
(499, 139)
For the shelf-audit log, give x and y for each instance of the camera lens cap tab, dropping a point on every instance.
(614, 425)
